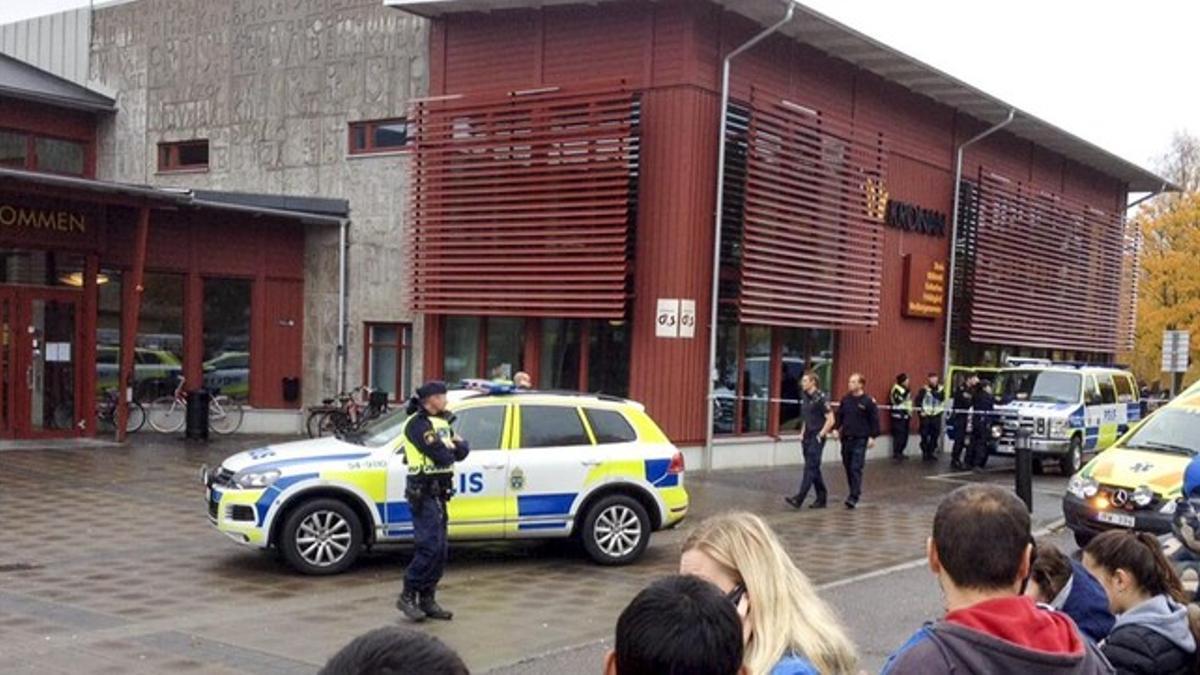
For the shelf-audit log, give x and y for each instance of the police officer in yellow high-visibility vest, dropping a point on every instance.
(430, 450)
(901, 403)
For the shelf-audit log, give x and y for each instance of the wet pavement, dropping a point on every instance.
(109, 565)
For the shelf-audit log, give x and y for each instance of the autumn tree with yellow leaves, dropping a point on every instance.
(1169, 284)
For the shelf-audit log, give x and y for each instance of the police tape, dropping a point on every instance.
(915, 410)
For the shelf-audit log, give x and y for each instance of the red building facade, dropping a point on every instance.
(563, 212)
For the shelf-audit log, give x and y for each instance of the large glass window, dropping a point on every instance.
(108, 332)
(481, 427)
(560, 354)
(461, 360)
(505, 346)
(609, 426)
(608, 357)
(14, 149)
(227, 336)
(158, 358)
(58, 156)
(801, 350)
(389, 359)
(756, 378)
(548, 426)
(725, 386)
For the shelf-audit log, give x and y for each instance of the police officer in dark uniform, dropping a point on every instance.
(430, 450)
(857, 424)
(983, 407)
(817, 421)
(900, 401)
(964, 398)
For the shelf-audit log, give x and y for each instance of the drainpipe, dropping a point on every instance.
(716, 257)
(958, 164)
(342, 322)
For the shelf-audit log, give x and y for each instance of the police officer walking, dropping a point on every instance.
(932, 401)
(816, 423)
(981, 427)
(900, 400)
(430, 450)
(964, 398)
(857, 424)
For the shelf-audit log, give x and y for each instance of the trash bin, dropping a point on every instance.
(197, 415)
(291, 389)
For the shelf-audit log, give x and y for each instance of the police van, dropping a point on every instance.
(542, 465)
(1065, 409)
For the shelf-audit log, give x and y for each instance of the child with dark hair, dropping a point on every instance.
(1065, 585)
(680, 624)
(395, 651)
(1156, 631)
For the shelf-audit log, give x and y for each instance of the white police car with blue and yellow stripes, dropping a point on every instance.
(541, 465)
(1065, 409)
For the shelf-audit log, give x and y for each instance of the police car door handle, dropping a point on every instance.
(590, 462)
(501, 465)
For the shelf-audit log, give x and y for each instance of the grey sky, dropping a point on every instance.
(1114, 73)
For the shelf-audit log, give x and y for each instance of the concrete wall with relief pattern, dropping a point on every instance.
(272, 84)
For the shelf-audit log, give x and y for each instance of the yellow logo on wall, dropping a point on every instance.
(877, 199)
(42, 219)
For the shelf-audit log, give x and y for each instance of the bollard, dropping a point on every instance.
(197, 415)
(1024, 468)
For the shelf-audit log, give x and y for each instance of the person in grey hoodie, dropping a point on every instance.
(1156, 631)
(980, 552)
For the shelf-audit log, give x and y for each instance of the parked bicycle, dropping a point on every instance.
(168, 414)
(347, 413)
(106, 413)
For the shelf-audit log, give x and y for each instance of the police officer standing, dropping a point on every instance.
(857, 424)
(964, 398)
(816, 422)
(932, 401)
(983, 418)
(430, 450)
(900, 400)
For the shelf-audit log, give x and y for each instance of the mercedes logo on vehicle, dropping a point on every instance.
(1120, 498)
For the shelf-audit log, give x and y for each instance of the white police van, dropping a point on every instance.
(1065, 409)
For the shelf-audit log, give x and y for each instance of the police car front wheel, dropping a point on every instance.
(321, 536)
(616, 530)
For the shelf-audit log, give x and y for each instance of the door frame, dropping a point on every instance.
(19, 399)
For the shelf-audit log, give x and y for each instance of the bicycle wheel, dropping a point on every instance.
(167, 415)
(313, 424)
(224, 414)
(136, 419)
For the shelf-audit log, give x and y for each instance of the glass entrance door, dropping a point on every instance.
(38, 362)
(8, 329)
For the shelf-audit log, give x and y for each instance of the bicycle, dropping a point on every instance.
(347, 413)
(168, 414)
(106, 413)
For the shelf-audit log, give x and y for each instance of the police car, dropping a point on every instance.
(1064, 409)
(542, 465)
(1135, 483)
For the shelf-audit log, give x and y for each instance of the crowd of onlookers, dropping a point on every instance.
(739, 606)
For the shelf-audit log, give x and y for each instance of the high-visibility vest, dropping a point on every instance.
(901, 403)
(418, 462)
(931, 406)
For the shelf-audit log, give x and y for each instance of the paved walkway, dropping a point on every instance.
(110, 566)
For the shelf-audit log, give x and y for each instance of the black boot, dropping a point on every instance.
(408, 603)
(433, 610)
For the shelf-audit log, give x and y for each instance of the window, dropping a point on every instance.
(1091, 392)
(608, 357)
(609, 426)
(58, 156)
(378, 136)
(461, 359)
(14, 149)
(725, 386)
(227, 336)
(756, 382)
(801, 350)
(560, 347)
(482, 427)
(548, 426)
(1108, 392)
(160, 332)
(1125, 390)
(389, 359)
(183, 156)
(505, 346)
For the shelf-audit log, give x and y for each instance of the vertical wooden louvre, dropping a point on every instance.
(803, 223)
(523, 203)
(1045, 270)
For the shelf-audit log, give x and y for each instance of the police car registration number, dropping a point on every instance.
(1119, 519)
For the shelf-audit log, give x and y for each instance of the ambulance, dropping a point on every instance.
(1136, 483)
(542, 465)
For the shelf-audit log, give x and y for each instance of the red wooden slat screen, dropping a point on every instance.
(523, 203)
(812, 232)
(1046, 269)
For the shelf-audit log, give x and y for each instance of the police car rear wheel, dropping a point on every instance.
(616, 530)
(323, 536)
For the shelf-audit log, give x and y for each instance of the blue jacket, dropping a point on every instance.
(1087, 604)
(791, 664)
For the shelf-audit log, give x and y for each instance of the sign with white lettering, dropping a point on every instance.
(666, 323)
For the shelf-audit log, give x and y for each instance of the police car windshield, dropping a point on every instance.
(1169, 430)
(383, 430)
(1038, 386)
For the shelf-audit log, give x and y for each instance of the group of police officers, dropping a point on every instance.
(971, 408)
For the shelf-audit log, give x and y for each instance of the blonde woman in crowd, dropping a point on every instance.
(788, 629)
